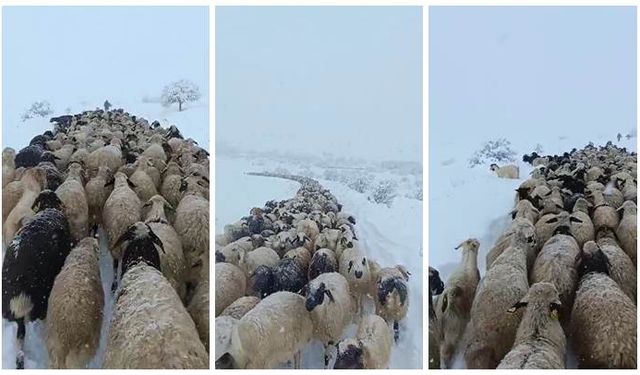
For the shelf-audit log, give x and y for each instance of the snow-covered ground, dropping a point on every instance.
(472, 202)
(391, 235)
(192, 122)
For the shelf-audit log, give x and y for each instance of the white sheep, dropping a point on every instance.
(504, 241)
(582, 228)
(144, 185)
(262, 256)
(230, 285)
(198, 306)
(97, 191)
(8, 165)
(172, 260)
(492, 334)
(72, 195)
(192, 224)
(329, 302)
(34, 180)
(110, 156)
(506, 171)
(603, 214)
(371, 349)
(604, 319)
(454, 305)
(627, 230)
(621, 268)
(540, 341)
(556, 264)
(301, 255)
(240, 307)
(172, 179)
(72, 338)
(121, 210)
(354, 267)
(150, 327)
(274, 331)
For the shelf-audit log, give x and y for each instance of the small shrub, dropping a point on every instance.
(361, 183)
(495, 151)
(384, 192)
(37, 109)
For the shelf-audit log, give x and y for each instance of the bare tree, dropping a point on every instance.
(180, 92)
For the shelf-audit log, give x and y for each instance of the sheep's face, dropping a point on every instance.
(316, 296)
(494, 167)
(358, 267)
(47, 199)
(262, 282)
(471, 244)
(350, 355)
(436, 286)
(592, 259)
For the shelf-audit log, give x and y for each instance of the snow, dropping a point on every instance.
(472, 202)
(390, 235)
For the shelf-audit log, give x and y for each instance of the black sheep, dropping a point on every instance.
(31, 263)
(139, 245)
(29, 156)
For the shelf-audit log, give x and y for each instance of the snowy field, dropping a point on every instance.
(391, 235)
(192, 122)
(474, 203)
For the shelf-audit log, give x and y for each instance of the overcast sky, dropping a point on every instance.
(346, 80)
(530, 71)
(71, 54)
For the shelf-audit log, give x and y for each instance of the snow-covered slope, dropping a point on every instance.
(472, 202)
(391, 235)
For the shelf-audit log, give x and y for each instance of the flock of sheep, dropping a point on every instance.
(148, 189)
(294, 271)
(565, 269)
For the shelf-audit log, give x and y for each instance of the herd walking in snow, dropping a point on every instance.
(562, 277)
(295, 271)
(147, 189)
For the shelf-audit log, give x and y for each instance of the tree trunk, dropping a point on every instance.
(179, 105)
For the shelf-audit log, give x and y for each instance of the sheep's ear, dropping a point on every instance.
(328, 293)
(516, 306)
(552, 220)
(304, 291)
(131, 184)
(126, 236)
(513, 214)
(574, 219)
(168, 205)
(445, 302)
(110, 182)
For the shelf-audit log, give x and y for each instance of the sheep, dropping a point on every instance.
(29, 156)
(580, 223)
(308, 227)
(150, 327)
(525, 209)
(354, 267)
(328, 239)
(54, 177)
(8, 165)
(454, 306)
(240, 307)
(371, 349)
(540, 341)
(33, 181)
(110, 156)
(504, 241)
(322, 261)
(556, 264)
(274, 331)
(31, 262)
(170, 188)
(302, 256)
(627, 230)
(233, 252)
(262, 256)
(603, 215)
(72, 195)
(506, 171)
(330, 315)
(198, 306)
(172, 259)
(144, 185)
(389, 285)
(546, 226)
(603, 319)
(97, 193)
(621, 268)
(72, 339)
(230, 285)
(121, 210)
(436, 286)
(63, 156)
(192, 224)
(490, 334)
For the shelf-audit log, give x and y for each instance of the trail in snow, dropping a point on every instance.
(390, 236)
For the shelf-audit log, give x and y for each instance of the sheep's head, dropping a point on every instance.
(140, 244)
(358, 266)
(592, 259)
(47, 199)
(224, 334)
(525, 235)
(470, 244)
(436, 286)
(350, 355)
(262, 282)
(494, 167)
(541, 297)
(315, 295)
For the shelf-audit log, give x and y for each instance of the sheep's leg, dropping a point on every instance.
(114, 285)
(396, 330)
(296, 360)
(20, 343)
(327, 354)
